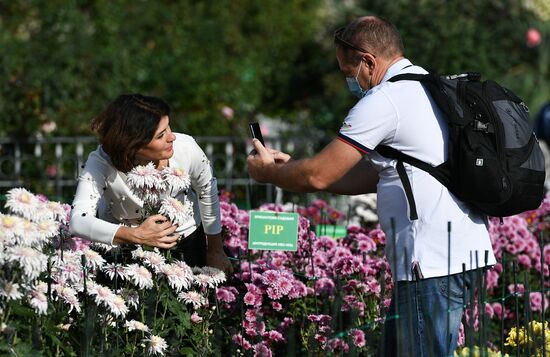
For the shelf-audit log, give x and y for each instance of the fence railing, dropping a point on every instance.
(51, 165)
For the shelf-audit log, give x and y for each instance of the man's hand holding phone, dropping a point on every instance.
(262, 161)
(256, 133)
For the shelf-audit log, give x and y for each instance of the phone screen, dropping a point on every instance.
(256, 132)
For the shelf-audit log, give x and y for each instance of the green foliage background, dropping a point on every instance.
(63, 61)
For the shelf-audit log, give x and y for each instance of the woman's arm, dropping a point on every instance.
(91, 184)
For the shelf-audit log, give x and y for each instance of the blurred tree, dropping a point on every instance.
(62, 61)
(449, 36)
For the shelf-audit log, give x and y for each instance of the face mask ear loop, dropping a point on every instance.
(358, 71)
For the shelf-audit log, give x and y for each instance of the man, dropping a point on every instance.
(401, 115)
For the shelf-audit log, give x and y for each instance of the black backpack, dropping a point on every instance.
(494, 162)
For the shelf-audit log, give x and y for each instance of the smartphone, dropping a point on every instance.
(256, 132)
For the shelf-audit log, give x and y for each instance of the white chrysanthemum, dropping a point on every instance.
(176, 179)
(217, 275)
(102, 247)
(94, 260)
(118, 306)
(22, 202)
(154, 260)
(68, 269)
(32, 261)
(10, 291)
(112, 270)
(41, 287)
(29, 235)
(156, 345)
(102, 294)
(147, 183)
(144, 177)
(178, 277)
(48, 228)
(176, 211)
(203, 280)
(39, 300)
(140, 276)
(134, 325)
(56, 211)
(192, 297)
(69, 296)
(10, 227)
(138, 253)
(41, 213)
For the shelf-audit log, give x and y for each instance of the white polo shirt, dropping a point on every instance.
(403, 115)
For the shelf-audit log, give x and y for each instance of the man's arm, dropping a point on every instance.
(362, 178)
(326, 171)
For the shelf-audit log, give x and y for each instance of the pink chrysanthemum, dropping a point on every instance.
(358, 337)
(195, 318)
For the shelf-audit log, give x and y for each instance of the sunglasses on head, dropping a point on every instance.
(338, 39)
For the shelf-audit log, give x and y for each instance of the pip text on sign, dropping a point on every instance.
(273, 231)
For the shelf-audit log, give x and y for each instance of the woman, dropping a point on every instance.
(135, 130)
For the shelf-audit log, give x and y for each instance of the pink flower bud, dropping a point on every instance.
(533, 37)
(195, 318)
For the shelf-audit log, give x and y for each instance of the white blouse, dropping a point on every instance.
(103, 201)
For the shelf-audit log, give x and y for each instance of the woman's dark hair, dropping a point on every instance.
(128, 124)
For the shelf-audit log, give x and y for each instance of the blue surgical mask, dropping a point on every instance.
(354, 86)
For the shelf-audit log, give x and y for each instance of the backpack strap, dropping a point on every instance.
(392, 153)
(413, 215)
(408, 77)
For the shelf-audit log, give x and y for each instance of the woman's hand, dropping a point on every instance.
(155, 231)
(215, 255)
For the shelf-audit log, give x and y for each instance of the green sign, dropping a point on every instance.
(331, 231)
(273, 231)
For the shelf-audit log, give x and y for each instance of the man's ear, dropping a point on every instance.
(369, 61)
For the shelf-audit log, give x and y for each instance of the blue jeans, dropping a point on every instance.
(423, 326)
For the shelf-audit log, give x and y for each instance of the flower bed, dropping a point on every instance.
(63, 296)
